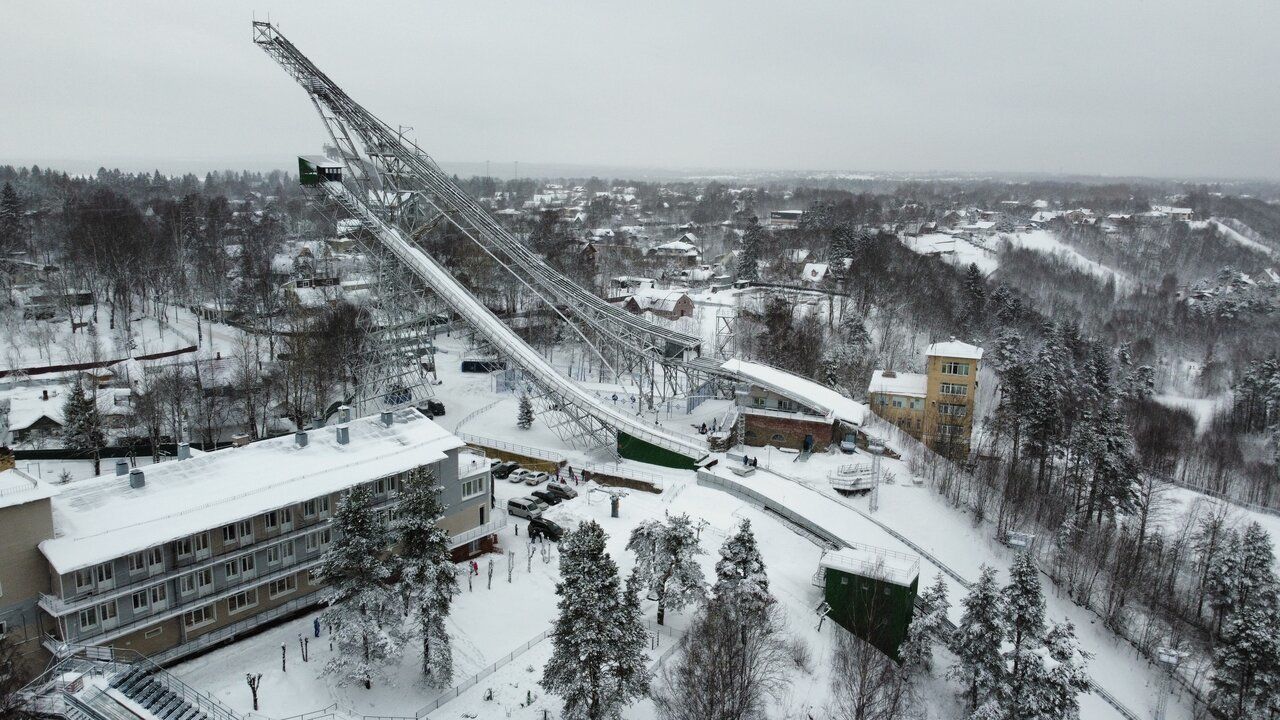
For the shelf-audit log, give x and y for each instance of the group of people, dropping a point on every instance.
(751, 461)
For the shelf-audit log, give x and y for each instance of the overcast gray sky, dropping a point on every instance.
(1172, 88)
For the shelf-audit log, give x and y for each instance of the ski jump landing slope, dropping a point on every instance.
(506, 341)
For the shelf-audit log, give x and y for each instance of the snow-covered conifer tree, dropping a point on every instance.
(666, 562)
(362, 610)
(597, 664)
(741, 581)
(1246, 661)
(926, 629)
(525, 419)
(976, 641)
(428, 578)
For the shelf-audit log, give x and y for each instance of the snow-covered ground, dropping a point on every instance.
(955, 250)
(488, 624)
(1046, 242)
(32, 344)
(1236, 236)
(1202, 409)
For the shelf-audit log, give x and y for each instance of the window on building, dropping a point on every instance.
(140, 602)
(204, 580)
(187, 584)
(897, 402)
(199, 617)
(108, 614)
(318, 540)
(105, 575)
(952, 410)
(159, 597)
(949, 430)
(757, 401)
(242, 601)
(248, 565)
(286, 551)
(272, 520)
(245, 529)
(231, 569)
(955, 368)
(316, 507)
(953, 389)
(473, 487)
(884, 401)
(917, 404)
(283, 586)
(84, 579)
(138, 562)
(89, 618)
(229, 533)
(273, 555)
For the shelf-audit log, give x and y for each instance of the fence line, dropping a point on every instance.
(474, 680)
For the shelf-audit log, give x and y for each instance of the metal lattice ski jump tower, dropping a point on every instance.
(397, 193)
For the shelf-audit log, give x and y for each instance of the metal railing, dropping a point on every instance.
(230, 631)
(472, 681)
(510, 447)
(497, 522)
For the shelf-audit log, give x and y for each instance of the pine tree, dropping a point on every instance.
(748, 264)
(361, 609)
(976, 641)
(741, 582)
(1246, 662)
(665, 562)
(1062, 678)
(10, 218)
(82, 423)
(524, 420)
(975, 298)
(1024, 626)
(926, 629)
(597, 664)
(428, 578)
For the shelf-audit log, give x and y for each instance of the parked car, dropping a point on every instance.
(524, 507)
(542, 507)
(849, 444)
(518, 476)
(549, 498)
(504, 469)
(542, 527)
(436, 407)
(535, 478)
(564, 491)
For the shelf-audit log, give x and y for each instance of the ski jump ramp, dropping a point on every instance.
(636, 439)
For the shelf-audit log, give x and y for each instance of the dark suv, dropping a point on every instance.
(542, 527)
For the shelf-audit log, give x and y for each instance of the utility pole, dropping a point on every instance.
(877, 449)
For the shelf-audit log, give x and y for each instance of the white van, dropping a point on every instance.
(524, 507)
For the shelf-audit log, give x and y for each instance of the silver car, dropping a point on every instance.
(535, 478)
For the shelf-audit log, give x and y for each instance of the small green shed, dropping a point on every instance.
(871, 592)
(315, 169)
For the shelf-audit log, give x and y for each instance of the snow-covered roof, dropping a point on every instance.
(955, 348)
(19, 488)
(802, 390)
(27, 405)
(102, 518)
(909, 384)
(650, 298)
(814, 272)
(891, 566)
(677, 247)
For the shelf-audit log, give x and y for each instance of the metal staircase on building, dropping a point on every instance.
(142, 686)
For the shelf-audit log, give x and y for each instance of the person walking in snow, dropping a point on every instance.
(315, 625)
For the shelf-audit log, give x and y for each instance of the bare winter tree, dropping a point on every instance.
(729, 666)
(865, 684)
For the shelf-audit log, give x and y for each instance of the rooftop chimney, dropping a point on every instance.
(122, 467)
(136, 478)
(300, 438)
(344, 435)
(344, 414)
(387, 418)
(184, 451)
(239, 440)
